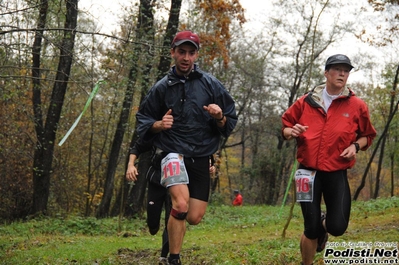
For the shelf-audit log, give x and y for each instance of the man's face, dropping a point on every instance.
(184, 56)
(337, 75)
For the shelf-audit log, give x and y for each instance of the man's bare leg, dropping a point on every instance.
(196, 211)
(177, 228)
(308, 249)
(176, 231)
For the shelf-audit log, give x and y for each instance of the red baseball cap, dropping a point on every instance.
(186, 36)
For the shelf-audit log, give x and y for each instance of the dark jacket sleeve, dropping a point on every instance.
(150, 111)
(140, 147)
(227, 104)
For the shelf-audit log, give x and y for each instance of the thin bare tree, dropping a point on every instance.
(46, 127)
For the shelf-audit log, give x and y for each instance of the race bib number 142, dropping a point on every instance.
(304, 180)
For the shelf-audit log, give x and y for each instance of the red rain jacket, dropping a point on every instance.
(238, 200)
(346, 120)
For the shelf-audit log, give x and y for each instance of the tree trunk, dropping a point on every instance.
(379, 168)
(377, 181)
(40, 185)
(43, 156)
(393, 172)
(144, 34)
(392, 114)
(171, 30)
(135, 197)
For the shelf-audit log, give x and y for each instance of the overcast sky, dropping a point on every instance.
(105, 12)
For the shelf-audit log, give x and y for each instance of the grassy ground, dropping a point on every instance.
(227, 235)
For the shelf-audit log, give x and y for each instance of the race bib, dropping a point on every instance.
(304, 180)
(173, 170)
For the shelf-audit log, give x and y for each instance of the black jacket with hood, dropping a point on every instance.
(194, 132)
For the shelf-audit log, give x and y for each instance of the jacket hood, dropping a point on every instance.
(315, 96)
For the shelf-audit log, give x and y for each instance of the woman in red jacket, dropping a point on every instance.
(330, 125)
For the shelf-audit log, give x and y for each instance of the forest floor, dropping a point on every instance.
(227, 235)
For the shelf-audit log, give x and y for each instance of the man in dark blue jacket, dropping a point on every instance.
(185, 115)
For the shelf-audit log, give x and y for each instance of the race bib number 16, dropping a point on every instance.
(304, 180)
(173, 170)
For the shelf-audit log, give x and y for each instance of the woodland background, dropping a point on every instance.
(52, 55)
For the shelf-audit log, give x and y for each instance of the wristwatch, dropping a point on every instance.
(220, 120)
(357, 146)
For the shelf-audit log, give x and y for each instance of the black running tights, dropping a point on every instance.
(334, 187)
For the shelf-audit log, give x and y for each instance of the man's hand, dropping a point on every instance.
(164, 124)
(131, 173)
(167, 120)
(212, 170)
(215, 111)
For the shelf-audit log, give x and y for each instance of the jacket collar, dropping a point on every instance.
(315, 96)
(173, 78)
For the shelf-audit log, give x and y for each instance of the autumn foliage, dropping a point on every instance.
(217, 17)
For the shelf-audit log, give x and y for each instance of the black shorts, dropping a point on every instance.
(199, 177)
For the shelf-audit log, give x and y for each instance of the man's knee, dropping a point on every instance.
(197, 211)
(194, 220)
(337, 229)
(178, 215)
